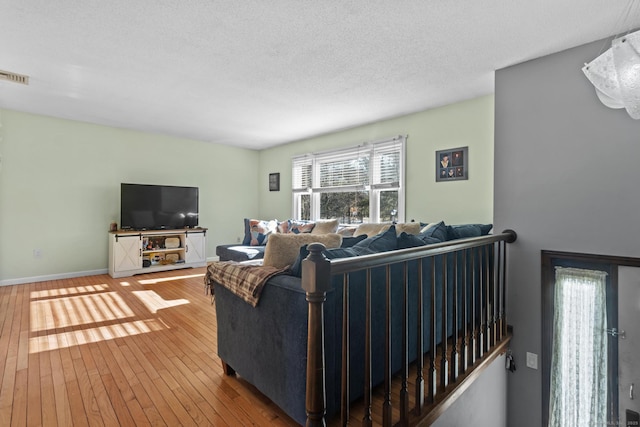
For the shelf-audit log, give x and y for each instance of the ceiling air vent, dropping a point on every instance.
(14, 77)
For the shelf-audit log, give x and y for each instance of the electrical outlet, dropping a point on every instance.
(37, 253)
(532, 360)
(238, 240)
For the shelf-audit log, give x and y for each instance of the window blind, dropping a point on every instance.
(373, 167)
(302, 173)
(387, 166)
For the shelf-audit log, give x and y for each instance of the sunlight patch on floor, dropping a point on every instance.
(48, 293)
(167, 279)
(155, 302)
(92, 335)
(62, 312)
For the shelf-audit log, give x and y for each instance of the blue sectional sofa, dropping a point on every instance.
(267, 344)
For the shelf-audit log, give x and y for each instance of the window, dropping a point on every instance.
(355, 185)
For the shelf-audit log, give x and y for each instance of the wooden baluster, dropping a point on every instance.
(488, 299)
(501, 249)
(404, 390)
(464, 351)
(495, 335)
(481, 303)
(420, 343)
(386, 406)
(344, 411)
(366, 419)
(454, 340)
(316, 281)
(473, 345)
(433, 376)
(444, 361)
(503, 313)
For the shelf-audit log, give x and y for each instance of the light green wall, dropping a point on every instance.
(60, 180)
(468, 123)
(60, 189)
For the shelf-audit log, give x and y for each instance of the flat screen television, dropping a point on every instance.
(158, 207)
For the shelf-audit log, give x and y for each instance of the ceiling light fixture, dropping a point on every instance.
(616, 73)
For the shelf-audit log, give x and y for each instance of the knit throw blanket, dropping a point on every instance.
(245, 281)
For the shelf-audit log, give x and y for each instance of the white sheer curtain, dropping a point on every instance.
(579, 363)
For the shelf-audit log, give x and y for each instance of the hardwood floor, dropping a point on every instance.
(134, 351)
(139, 351)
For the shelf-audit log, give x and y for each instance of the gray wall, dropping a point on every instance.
(566, 178)
(476, 406)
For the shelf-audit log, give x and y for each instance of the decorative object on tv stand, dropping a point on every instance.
(274, 181)
(452, 164)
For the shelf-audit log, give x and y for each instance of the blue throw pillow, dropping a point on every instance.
(467, 230)
(485, 229)
(247, 233)
(438, 231)
(462, 231)
(296, 268)
(409, 241)
(430, 240)
(333, 253)
(347, 242)
(382, 242)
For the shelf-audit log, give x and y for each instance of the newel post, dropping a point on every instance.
(316, 280)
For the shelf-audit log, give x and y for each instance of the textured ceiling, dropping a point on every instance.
(257, 74)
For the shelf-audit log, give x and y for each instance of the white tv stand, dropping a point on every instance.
(136, 252)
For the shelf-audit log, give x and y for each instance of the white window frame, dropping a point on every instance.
(306, 177)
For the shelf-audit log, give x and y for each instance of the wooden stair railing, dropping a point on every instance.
(477, 338)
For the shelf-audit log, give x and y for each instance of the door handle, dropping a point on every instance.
(616, 333)
(631, 391)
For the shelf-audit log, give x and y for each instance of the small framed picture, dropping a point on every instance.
(274, 181)
(452, 164)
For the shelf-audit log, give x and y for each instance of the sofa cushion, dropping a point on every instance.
(437, 230)
(283, 249)
(324, 226)
(386, 241)
(236, 252)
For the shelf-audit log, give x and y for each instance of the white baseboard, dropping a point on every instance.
(33, 279)
(21, 280)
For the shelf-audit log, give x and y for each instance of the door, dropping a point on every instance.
(551, 347)
(127, 253)
(194, 248)
(629, 345)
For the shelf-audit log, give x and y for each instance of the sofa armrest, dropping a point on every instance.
(267, 344)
